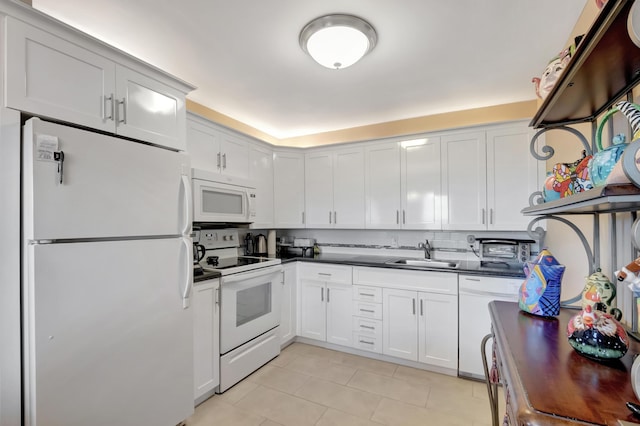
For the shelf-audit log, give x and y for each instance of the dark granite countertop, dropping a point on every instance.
(383, 261)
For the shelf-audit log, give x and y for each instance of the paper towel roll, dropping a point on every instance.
(271, 243)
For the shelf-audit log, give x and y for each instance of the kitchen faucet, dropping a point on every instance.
(427, 248)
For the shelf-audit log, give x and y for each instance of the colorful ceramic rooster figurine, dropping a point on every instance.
(597, 335)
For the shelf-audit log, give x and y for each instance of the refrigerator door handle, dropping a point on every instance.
(188, 214)
(186, 293)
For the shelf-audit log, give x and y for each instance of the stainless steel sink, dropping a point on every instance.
(427, 263)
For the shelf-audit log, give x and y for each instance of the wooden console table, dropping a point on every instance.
(546, 382)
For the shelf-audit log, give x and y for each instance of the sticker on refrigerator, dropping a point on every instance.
(46, 145)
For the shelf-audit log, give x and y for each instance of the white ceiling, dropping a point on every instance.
(244, 57)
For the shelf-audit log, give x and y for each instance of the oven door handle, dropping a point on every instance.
(242, 276)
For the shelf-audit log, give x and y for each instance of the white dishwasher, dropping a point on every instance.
(475, 293)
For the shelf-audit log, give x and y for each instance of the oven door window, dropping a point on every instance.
(252, 303)
(222, 202)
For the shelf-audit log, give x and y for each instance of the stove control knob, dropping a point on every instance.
(230, 237)
(224, 238)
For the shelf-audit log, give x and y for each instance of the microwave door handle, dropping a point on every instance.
(249, 205)
(188, 205)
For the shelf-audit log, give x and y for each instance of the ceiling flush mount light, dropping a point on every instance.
(338, 41)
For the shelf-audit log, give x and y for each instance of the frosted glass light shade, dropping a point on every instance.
(337, 41)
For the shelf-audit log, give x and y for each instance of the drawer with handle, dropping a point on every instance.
(325, 272)
(367, 342)
(369, 327)
(366, 309)
(367, 294)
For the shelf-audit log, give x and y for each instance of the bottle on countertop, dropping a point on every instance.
(316, 250)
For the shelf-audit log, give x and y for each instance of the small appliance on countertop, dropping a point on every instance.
(504, 250)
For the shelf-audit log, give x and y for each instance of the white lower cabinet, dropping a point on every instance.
(206, 346)
(419, 313)
(421, 327)
(325, 303)
(438, 329)
(288, 306)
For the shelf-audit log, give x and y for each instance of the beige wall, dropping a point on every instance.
(492, 114)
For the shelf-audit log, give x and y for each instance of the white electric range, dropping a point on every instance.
(250, 297)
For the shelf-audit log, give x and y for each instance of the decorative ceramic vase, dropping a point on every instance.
(600, 294)
(597, 335)
(540, 291)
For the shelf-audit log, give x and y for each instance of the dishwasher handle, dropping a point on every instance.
(472, 292)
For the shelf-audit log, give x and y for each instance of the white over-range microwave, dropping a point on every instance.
(222, 199)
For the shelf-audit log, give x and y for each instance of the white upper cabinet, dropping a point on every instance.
(487, 177)
(420, 183)
(288, 189)
(148, 110)
(318, 188)
(261, 173)
(382, 186)
(348, 188)
(403, 184)
(512, 175)
(334, 189)
(216, 150)
(51, 76)
(464, 181)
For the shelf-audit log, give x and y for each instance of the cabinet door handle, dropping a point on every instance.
(124, 111)
(324, 274)
(414, 306)
(490, 216)
(483, 218)
(371, 311)
(368, 327)
(219, 162)
(421, 309)
(110, 109)
(368, 294)
(218, 296)
(322, 294)
(366, 343)
(397, 217)
(335, 218)
(224, 161)
(328, 293)
(329, 216)
(472, 279)
(303, 218)
(404, 217)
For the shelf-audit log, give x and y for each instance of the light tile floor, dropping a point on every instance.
(308, 385)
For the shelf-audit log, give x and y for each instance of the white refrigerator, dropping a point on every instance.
(106, 281)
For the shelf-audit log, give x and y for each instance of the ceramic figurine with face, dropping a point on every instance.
(630, 274)
(600, 294)
(549, 77)
(554, 69)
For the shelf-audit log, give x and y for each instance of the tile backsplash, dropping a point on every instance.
(449, 245)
